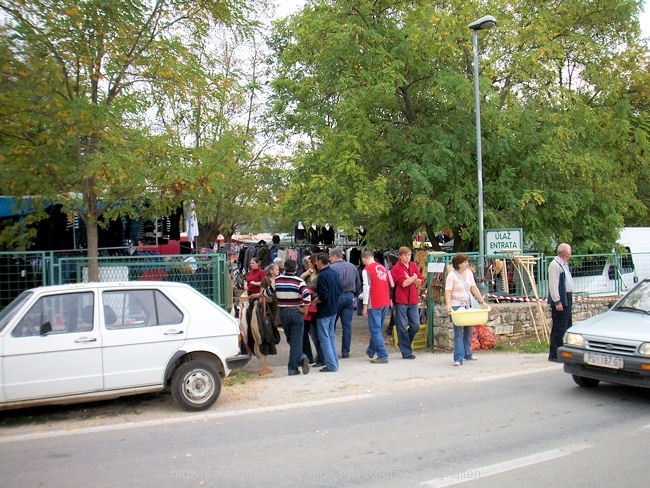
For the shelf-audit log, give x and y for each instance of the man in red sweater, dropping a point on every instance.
(407, 278)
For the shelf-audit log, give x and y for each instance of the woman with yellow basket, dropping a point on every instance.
(460, 291)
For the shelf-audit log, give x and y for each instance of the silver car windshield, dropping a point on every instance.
(636, 300)
(7, 313)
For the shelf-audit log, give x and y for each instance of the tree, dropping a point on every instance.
(382, 95)
(77, 126)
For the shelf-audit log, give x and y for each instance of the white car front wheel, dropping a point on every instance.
(585, 382)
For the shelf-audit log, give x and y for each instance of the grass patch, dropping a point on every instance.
(239, 378)
(528, 346)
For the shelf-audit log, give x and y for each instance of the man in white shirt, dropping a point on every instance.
(560, 297)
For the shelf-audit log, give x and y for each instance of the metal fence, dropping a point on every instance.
(208, 273)
(594, 275)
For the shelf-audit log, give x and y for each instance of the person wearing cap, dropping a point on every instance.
(293, 298)
(407, 278)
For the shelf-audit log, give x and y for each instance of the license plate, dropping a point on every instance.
(603, 361)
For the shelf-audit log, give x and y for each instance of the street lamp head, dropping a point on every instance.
(486, 22)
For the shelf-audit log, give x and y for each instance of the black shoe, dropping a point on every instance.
(410, 356)
(327, 370)
(293, 373)
(370, 356)
(305, 365)
(345, 355)
(318, 364)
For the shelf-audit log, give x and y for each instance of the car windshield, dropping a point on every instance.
(7, 313)
(638, 299)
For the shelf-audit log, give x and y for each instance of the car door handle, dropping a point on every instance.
(86, 339)
(173, 332)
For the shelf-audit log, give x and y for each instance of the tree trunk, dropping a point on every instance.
(431, 235)
(92, 234)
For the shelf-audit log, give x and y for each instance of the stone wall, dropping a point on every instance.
(513, 321)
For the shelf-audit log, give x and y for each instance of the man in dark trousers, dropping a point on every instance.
(351, 282)
(560, 297)
(328, 293)
(293, 299)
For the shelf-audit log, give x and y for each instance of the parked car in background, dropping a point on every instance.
(91, 341)
(613, 346)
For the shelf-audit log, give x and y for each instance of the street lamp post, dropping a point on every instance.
(483, 23)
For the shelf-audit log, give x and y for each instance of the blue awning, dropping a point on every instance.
(15, 207)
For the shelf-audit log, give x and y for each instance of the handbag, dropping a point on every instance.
(311, 309)
(473, 302)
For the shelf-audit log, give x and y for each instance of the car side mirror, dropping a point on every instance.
(46, 328)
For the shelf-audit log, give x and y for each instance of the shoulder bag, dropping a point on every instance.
(472, 300)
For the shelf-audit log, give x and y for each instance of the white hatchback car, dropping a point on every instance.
(91, 341)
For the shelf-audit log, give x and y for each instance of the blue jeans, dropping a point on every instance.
(311, 331)
(327, 336)
(406, 315)
(292, 321)
(462, 342)
(345, 313)
(376, 318)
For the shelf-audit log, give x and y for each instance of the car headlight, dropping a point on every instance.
(645, 349)
(573, 339)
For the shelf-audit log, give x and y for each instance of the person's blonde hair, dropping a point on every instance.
(404, 250)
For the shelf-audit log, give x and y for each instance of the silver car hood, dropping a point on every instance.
(634, 326)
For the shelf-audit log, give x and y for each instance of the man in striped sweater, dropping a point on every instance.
(293, 299)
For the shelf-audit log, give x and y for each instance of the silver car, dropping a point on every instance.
(613, 346)
(91, 341)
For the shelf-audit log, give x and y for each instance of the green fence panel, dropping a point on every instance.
(207, 273)
(20, 271)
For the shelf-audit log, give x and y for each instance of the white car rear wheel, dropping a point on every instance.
(196, 385)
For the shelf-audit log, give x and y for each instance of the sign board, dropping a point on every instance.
(499, 240)
(108, 273)
(435, 267)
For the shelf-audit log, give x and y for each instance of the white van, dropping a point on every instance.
(614, 274)
(603, 274)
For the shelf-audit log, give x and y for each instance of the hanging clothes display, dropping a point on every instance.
(191, 224)
(299, 233)
(313, 234)
(327, 234)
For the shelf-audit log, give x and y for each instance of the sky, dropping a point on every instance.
(287, 7)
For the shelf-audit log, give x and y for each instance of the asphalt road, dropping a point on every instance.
(505, 420)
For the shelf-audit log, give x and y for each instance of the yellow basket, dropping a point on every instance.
(419, 341)
(474, 316)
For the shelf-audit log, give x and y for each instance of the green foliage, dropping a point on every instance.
(86, 93)
(382, 94)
